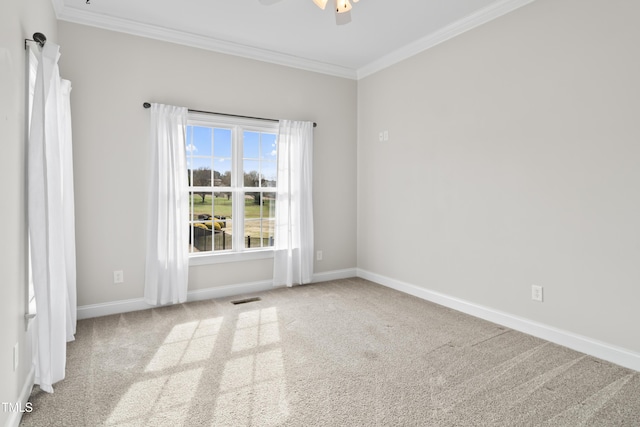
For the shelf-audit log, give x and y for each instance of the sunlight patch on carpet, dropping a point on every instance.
(252, 389)
(186, 343)
(256, 328)
(156, 399)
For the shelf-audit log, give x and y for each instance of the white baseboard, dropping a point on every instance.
(115, 307)
(335, 275)
(125, 306)
(592, 347)
(15, 417)
(229, 290)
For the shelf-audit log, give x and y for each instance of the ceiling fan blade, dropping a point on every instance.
(268, 2)
(343, 18)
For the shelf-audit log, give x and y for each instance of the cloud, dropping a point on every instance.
(191, 148)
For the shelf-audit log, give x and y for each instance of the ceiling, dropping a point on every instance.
(294, 32)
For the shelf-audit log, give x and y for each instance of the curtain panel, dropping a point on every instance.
(167, 262)
(293, 252)
(51, 219)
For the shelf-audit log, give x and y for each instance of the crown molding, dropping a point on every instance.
(93, 19)
(489, 13)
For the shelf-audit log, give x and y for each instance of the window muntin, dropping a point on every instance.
(232, 169)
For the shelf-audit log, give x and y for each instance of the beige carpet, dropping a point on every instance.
(341, 353)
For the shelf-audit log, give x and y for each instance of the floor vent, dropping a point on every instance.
(246, 300)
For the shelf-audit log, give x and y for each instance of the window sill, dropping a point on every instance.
(230, 257)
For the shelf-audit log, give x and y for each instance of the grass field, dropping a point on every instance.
(222, 206)
(254, 226)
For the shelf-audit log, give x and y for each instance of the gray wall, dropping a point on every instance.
(18, 20)
(512, 160)
(114, 73)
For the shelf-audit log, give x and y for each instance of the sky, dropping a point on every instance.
(208, 146)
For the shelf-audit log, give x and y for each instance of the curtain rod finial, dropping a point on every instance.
(38, 38)
(146, 105)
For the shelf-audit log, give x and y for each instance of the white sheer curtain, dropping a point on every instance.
(167, 265)
(51, 219)
(293, 256)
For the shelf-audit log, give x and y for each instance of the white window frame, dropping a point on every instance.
(237, 125)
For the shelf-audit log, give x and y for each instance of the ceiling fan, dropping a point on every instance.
(342, 8)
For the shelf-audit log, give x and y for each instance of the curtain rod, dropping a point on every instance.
(38, 38)
(148, 105)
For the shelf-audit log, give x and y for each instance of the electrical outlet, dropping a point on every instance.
(536, 293)
(319, 256)
(118, 276)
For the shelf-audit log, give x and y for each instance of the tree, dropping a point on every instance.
(202, 178)
(225, 181)
(252, 179)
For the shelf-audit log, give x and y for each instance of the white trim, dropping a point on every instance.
(125, 306)
(173, 36)
(15, 417)
(489, 13)
(229, 290)
(334, 275)
(135, 304)
(114, 307)
(83, 17)
(221, 120)
(224, 257)
(592, 347)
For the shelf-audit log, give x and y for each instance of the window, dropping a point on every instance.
(231, 167)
